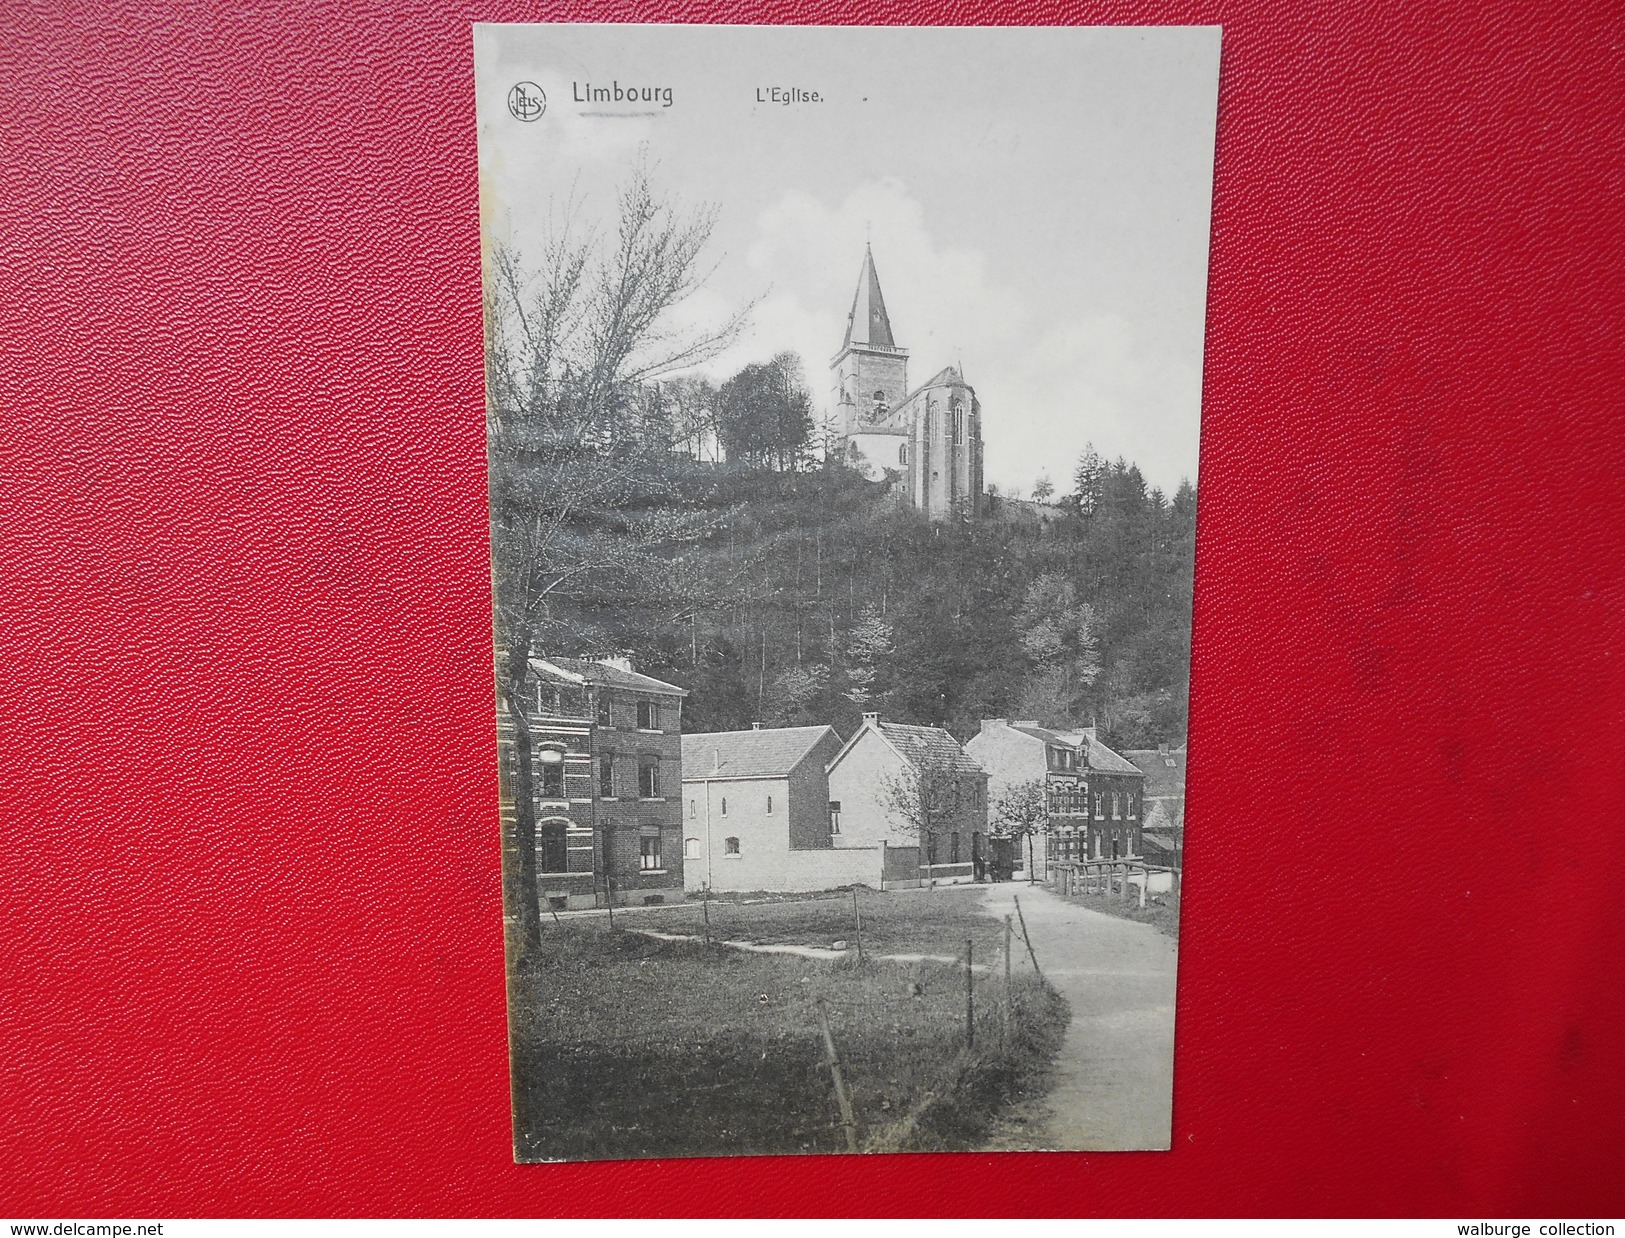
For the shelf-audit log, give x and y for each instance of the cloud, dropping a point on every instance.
(1050, 378)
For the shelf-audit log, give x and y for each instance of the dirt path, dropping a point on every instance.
(1114, 1074)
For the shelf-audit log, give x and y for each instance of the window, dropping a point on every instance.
(902, 453)
(1100, 812)
(1116, 806)
(959, 428)
(553, 777)
(691, 848)
(1131, 811)
(649, 778)
(930, 848)
(693, 809)
(648, 716)
(649, 852)
(547, 698)
(879, 396)
(605, 718)
(770, 805)
(953, 848)
(731, 846)
(835, 816)
(724, 805)
(606, 777)
(553, 857)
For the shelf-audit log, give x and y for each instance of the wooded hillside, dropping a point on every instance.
(811, 596)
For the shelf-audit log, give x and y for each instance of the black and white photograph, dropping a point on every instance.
(843, 392)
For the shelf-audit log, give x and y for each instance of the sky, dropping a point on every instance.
(1037, 200)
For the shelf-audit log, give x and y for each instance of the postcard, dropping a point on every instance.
(843, 393)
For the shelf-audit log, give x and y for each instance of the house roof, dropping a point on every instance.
(928, 745)
(768, 753)
(1103, 758)
(1161, 778)
(1043, 733)
(584, 670)
(1095, 754)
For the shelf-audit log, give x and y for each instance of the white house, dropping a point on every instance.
(885, 754)
(756, 813)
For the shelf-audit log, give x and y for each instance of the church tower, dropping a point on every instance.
(869, 376)
(928, 439)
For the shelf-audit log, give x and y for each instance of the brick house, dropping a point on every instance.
(1098, 816)
(607, 770)
(1093, 794)
(1163, 818)
(756, 813)
(955, 787)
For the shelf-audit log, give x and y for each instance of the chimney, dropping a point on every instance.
(871, 719)
(617, 661)
(1025, 722)
(991, 724)
(757, 726)
(1162, 749)
(716, 759)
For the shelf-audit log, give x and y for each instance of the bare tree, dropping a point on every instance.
(922, 798)
(1021, 811)
(579, 437)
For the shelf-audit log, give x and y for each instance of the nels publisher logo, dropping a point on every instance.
(526, 101)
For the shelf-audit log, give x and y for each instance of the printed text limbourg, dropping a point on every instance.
(586, 92)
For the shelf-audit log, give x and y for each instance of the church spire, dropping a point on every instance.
(868, 323)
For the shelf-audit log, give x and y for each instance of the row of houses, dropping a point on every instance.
(630, 809)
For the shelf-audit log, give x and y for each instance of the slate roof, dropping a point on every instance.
(947, 376)
(1096, 754)
(868, 322)
(768, 753)
(584, 669)
(1103, 758)
(930, 744)
(1161, 779)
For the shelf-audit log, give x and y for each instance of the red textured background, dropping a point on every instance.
(250, 887)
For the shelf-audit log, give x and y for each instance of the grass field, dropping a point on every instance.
(1161, 911)
(630, 1047)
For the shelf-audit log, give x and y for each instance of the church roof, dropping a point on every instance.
(947, 376)
(868, 323)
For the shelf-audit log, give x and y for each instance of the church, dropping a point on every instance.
(929, 437)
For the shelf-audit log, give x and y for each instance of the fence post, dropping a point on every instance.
(1145, 883)
(1023, 922)
(705, 909)
(841, 1098)
(970, 997)
(857, 916)
(1004, 1014)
